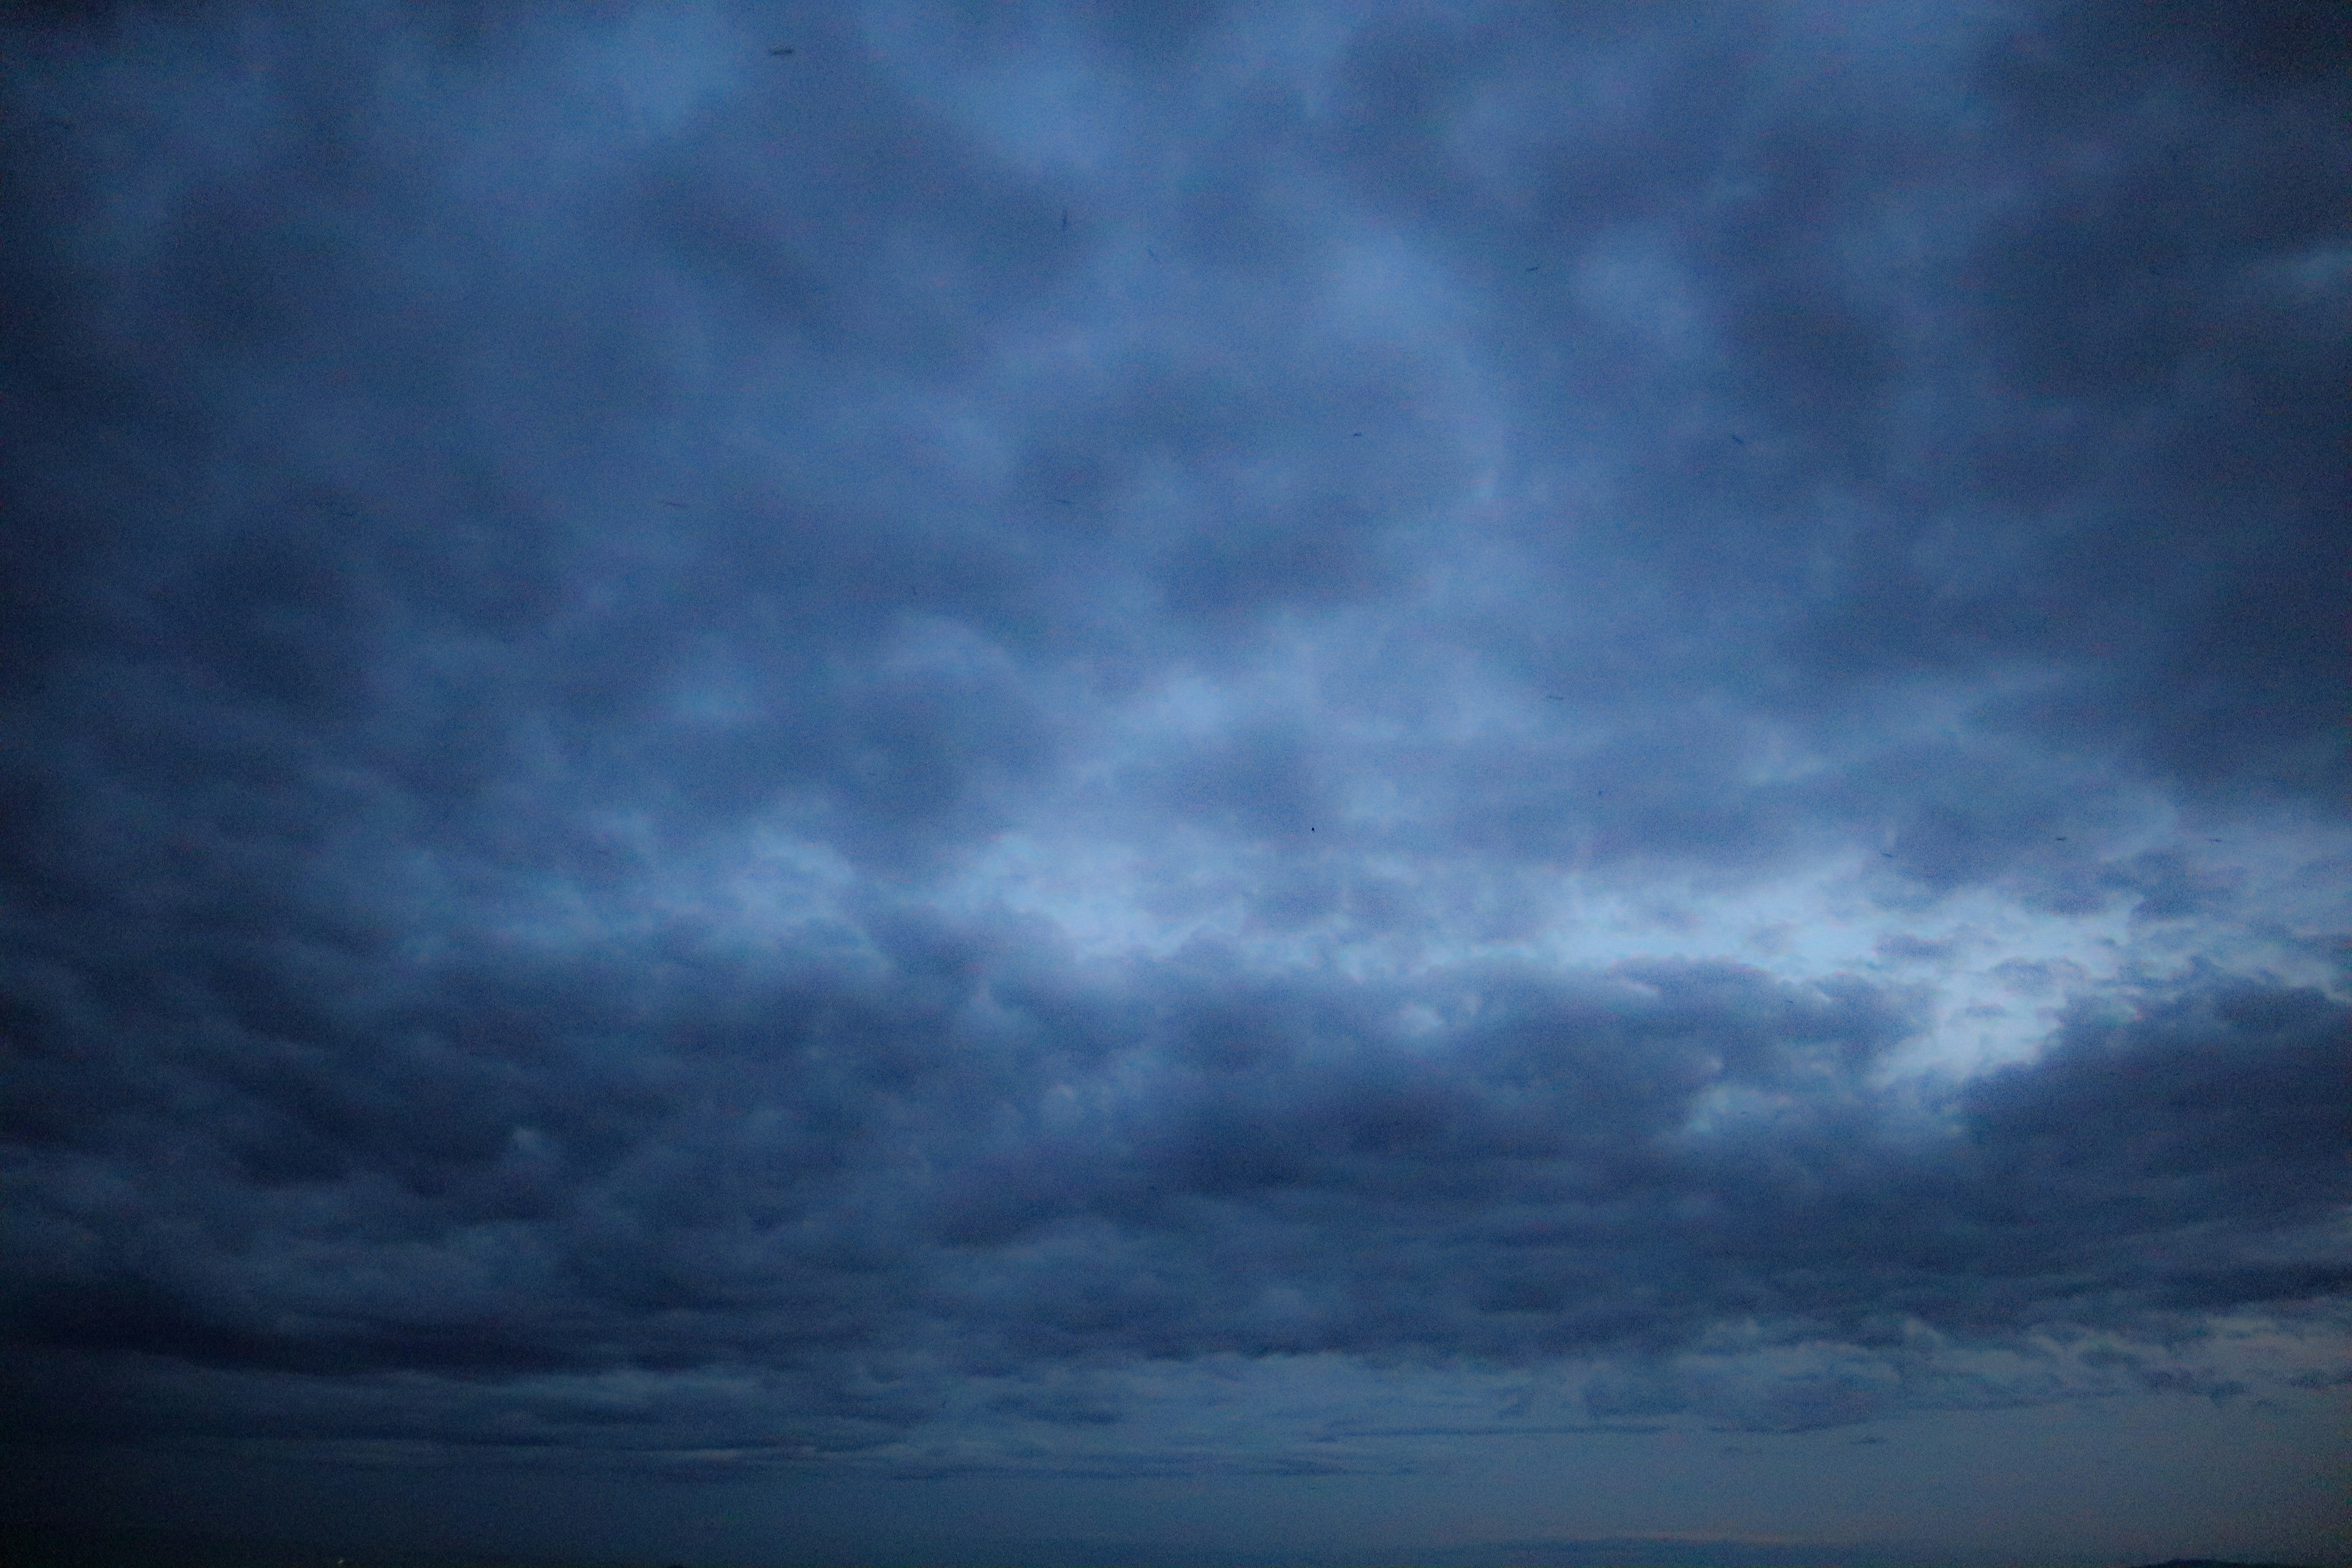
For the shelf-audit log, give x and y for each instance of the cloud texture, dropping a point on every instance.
(882, 735)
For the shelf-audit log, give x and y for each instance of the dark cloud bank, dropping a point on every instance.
(522, 1172)
(688, 789)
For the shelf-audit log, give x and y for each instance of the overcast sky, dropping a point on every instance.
(1518, 783)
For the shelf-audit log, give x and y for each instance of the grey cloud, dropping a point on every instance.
(680, 779)
(821, 1170)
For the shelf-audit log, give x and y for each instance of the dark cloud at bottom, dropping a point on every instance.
(810, 1202)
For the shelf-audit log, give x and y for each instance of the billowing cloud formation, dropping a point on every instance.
(846, 734)
(647, 1188)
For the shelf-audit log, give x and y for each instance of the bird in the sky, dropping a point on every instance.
(782, 49)
(1059, 501)
(1738, 442)
(677, 505)
(1065, 218)
(1537, 268)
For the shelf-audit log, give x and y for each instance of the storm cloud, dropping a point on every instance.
(886, 739)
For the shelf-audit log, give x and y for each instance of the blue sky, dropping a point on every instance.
(1169, 783)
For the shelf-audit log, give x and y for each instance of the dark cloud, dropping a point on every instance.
(817, 1169)
(717, 758)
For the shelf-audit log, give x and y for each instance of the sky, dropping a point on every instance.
(1521, 785)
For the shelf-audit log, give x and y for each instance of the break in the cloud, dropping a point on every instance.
(1115, 745)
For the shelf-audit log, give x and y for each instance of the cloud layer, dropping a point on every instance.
(884, 735)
